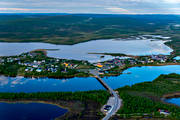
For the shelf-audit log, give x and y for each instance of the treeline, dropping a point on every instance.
(58, 74)
(134, 104)
(98, 96)
(9, 69)
(162, 85)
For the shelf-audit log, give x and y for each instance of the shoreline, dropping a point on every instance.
(40, 101)
(37, 77)
(34, 101)
(170, 96)
(71, 111)
(105, 75)
(72, 102)
(127, 67)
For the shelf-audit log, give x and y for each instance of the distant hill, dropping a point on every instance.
(75, 28)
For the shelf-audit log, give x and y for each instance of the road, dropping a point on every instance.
(117, 101)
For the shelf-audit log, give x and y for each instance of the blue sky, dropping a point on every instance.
(91, 6)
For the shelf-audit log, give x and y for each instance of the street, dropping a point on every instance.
(117, 102)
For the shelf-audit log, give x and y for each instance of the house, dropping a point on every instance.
(35, 66)
(28, 69)
(99, 65)
(39, 70)
(1, 60)
(164, 112)
(66, 64)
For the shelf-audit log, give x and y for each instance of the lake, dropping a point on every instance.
(138, 75)
(30, 111)
(175, 101)
(40, 111)
(80, 51)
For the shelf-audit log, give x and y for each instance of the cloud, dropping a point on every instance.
(175, 9)
(15, 9)
(3, 81)
(90, 6)
(172, 1)
(118, 10)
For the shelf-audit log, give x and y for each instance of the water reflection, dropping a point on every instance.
(138, 75)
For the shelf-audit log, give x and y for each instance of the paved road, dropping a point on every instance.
(117, 101)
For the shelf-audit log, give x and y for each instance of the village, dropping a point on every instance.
(38, 62)
(122, 62)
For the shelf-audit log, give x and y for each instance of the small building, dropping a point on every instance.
(66, 64)
(164, 112)
(99, 65)
(39, 70)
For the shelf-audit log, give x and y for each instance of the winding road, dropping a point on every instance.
(117, 102)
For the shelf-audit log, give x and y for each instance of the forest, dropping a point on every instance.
(144, 99)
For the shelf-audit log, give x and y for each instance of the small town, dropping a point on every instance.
(122, 62)
(37, 62)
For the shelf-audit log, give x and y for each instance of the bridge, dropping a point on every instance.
(117, 102)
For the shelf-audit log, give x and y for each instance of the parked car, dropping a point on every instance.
(107, 108)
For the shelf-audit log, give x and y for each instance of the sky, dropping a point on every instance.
(91, 6)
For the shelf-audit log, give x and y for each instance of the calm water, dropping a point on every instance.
(138, 75)
(177, 58)
(30, 111)
(175, 101)
(141, 74)
(80, 51)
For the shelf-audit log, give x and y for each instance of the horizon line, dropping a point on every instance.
(97, 13)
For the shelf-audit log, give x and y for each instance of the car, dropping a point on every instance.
(107, 108)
